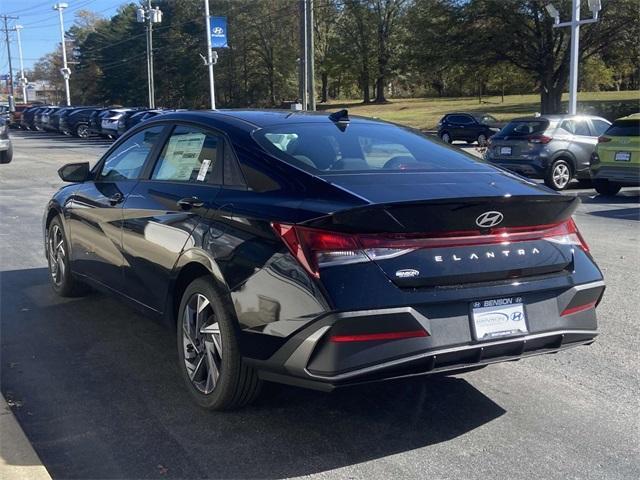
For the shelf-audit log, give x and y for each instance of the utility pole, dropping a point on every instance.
(303, 53)
(149, 15)
(209, 60)
(66, 73)
(311, 84)
(23, 80)
(595, 6)
(12, 105)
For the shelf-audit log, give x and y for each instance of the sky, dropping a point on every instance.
(41, 26)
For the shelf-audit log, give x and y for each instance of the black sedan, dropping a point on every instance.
(321, 251)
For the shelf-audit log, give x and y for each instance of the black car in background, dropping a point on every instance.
(56, 117)
(27, 120)
(321, 251)
(468, 127)
(76, 122)
(41, 118)
(95, 121)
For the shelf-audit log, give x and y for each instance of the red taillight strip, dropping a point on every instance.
(578, 308)
(372, 337)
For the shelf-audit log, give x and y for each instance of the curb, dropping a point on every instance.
(18, 459)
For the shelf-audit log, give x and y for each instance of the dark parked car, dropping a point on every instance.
(109, 121)
(469, 127)
(95, 121)
(27, 119)
(6, 149)
(55, 117)
(554, 147)
(321, 251)
(123, 122)
(76, 122)
(43, 118)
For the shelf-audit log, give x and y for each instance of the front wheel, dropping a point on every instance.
(82, 131)
(208, 351)
(607, 188)
(482, 140)
(62, 279)
(446, 138)
(558, 175)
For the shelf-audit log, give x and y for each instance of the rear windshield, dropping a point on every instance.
(624, 128)
(325, 148)
(524, 128)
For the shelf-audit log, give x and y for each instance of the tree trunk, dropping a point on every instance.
(380, 97)
(551, 99)
(366, 93)
(324, 96)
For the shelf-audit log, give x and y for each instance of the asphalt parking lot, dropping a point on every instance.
(96, 387)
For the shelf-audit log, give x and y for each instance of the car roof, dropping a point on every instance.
(633, 116)
(555, 117)
(253, 119)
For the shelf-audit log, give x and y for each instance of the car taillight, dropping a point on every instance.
(319, 248)
(603, 139)
(539, 139)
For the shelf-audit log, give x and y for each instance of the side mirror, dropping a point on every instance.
(74, 172)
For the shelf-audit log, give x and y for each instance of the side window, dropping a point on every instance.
(582, 128)
(127, 160)
(231, 170)
(599, 126)
(189, 155)
(568, 126)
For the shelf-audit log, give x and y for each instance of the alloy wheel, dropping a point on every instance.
(57, 253)
(482, 140)
(446, 138)
(82, 131)
(202, 343)
(561, 175)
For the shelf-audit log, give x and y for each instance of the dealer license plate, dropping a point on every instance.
(498, 317)
(505, 150)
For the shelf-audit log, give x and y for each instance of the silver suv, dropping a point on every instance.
(556, 148)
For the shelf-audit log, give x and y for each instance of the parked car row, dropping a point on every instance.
(83, 121)
(556, 148)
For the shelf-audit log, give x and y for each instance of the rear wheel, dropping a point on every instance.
(558, 175)
(208, 351)
(605, 187)
(82, 131)
(446, 138)
(482, 140)
(62, 279)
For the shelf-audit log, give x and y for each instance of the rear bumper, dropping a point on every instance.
(534, 166)
(625, 175)
(5, 144)
(310, 358)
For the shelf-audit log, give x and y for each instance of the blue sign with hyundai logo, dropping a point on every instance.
(218, 32)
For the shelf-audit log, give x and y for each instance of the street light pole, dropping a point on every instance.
(212, 93)
(595, 7)
(66, 73)
(23, 81)
(149, 15)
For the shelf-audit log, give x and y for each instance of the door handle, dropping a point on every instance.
(116, 198)
(189, 203)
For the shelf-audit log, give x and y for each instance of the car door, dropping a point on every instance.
(462, 124)
(583, 143)
(94, 214)
(165, 207)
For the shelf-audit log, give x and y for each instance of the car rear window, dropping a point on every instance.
(524, 128)
(624, 128)
(327, 148)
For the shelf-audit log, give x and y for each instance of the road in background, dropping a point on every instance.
(97, 390)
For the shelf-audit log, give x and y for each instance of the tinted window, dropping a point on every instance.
(485, 119)
(325, 148)
(188, 156)
(127, 160)
(577, 127)
(460, 119)
(600, 126)
(624, 128)
(523, 128)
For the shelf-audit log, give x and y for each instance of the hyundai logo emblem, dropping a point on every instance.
(218, 30)
(489, 219)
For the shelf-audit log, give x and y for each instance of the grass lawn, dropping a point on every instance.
(424, 113)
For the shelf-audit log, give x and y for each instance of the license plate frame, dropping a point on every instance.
(497, 318)
(506, 150)
(622, 157)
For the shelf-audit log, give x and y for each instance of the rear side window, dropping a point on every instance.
(464, 119)
(524, 128)
(189, 155)
(600, 126)
(127, 160)
(624, 128)
(576, 127)
(325, 148)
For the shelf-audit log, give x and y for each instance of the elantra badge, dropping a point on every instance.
(489, 219)
(407, 273)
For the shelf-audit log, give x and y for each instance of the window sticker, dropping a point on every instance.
(203, 170)
(181, 157)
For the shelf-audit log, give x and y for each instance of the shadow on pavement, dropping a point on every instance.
(96, 388)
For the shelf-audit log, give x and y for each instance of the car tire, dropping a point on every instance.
(607, 188)
(63, 280)
(208, 352)
(82, 131)
(482, 140)
(558, 175)
(445, 137)
(7, 155)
